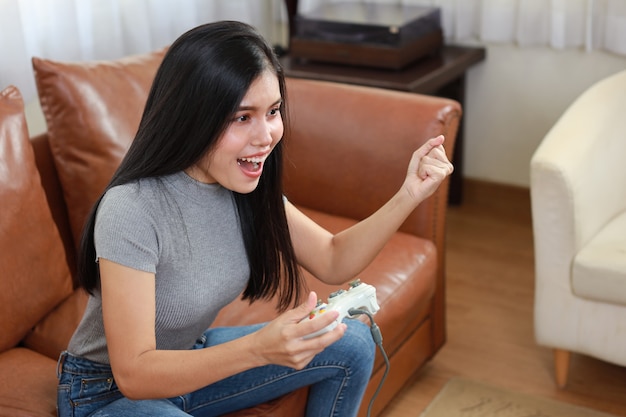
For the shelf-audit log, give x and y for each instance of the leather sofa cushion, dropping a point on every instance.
(33, 265)
(52, 334)
(28, 384)
(92, 111)
(292, 404)
(599, 271)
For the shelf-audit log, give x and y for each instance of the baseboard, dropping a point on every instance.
(478, 190)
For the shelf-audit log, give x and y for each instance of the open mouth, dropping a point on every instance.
(250, 164)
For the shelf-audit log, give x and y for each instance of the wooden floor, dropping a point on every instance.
(490, 284)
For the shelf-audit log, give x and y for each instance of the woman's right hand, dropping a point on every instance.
(282, 342)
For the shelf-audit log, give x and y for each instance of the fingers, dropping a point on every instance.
(311, 323)
(429, 145)
(301, 354)
(437, 157)
(285, 337)
(430, 160)
(435, 169)
(308, 324)
(305, 308)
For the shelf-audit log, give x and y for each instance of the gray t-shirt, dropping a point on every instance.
(185, 232)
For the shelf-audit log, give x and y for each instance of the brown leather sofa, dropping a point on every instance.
(347, 152)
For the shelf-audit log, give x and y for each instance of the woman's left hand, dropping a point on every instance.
(428, 167)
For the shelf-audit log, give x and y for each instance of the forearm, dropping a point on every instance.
(355, 248)
(169, 373)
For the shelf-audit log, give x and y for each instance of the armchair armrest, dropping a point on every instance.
(577, 177)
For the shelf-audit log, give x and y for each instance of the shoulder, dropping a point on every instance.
(132, 192)
(128, 203)
(127, 227)
(141, 194)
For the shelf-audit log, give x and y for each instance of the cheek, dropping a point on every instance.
(277, 133)
(231, 143)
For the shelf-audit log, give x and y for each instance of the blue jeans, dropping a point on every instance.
(337, 377)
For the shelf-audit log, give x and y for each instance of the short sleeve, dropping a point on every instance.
(125, 230)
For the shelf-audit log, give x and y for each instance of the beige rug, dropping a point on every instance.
(465, 398)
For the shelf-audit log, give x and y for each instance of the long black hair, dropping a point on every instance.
(197, 89)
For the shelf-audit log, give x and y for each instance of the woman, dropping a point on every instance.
(195, 216)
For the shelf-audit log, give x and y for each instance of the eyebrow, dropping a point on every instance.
(243, 108)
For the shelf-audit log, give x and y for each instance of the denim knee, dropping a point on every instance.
(359, 344)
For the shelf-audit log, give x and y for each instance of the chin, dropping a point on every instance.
(246, 188)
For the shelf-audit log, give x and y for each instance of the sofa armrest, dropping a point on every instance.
(362, 139)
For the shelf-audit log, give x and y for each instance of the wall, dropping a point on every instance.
(512, 100)
(514, 97)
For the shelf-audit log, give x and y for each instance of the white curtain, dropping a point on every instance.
(588, 24)
(78, 30)
(107, 29)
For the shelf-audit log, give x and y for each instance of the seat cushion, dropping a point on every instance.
(52, 334)
(92, 111)
(34, 274)
(27, 384)
(599, 271)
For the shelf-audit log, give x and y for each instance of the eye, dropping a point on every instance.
(275, 111)
(241, 118)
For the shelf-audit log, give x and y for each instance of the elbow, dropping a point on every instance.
(131, 395)
(130, 386)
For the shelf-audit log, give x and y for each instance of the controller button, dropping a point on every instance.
(336, 293)
(355, 283)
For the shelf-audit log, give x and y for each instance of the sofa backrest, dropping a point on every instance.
(50, 335)
(92, 110)
(54, 194)
(34, 276)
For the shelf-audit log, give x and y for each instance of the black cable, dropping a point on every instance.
(378, 339)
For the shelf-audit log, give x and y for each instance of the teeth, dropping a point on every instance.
(256, 160)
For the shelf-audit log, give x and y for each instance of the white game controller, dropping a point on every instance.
(358, 296)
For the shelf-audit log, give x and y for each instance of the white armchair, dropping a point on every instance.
(578, 195)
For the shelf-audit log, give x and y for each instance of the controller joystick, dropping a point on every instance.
(359, 295)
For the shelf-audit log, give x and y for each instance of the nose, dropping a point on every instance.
(267, 132)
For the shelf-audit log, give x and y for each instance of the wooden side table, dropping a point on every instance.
(441, 74)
